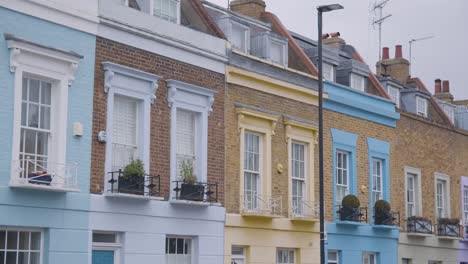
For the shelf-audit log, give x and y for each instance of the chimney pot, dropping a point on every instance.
(335, 34)
(325, 36)
(385, 53)
(438, 88)
(446, 86)
(398, 52)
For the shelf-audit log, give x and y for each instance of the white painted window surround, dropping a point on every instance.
(421, 106)
(442, 195)
(57, 68)
(21, 246)
(126, 87)
(394, 94)
(358, 82)
(240, 37)
(197, 102)
(413, 204)
(108, 241)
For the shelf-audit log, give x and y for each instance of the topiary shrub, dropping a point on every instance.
(383, 215)
(350, 201)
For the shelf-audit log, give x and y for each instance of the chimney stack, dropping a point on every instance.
(335, 41)
(250, 8)
(442, 92)
(438, 86)
(385, 53)
(396, 68)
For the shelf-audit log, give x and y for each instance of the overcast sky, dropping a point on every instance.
(445, 56)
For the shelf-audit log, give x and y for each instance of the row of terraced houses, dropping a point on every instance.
(182, 132)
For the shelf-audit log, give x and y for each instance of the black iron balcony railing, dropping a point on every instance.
(388, 219)
(448, 230)
(358, 215)
(419, 225)
(146, 185)
(198, 192)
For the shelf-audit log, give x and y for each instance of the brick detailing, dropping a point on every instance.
(107, 50)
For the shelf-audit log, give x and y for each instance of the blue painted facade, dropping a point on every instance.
(351, 240)
(63, 217)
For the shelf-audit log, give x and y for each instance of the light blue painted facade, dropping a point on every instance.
(63, 217)
(351, 239)
(358, 104)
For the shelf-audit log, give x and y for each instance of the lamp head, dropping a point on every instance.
(328, 8)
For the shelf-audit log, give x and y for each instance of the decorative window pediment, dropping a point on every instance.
(190, 94)
(259, 121)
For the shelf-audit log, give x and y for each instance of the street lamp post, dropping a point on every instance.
(322, 9)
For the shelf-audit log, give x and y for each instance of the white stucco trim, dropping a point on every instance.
(80, 15)
(136, 84)
(446, 178)
(199, 100)
(417, 172)
(57, 67)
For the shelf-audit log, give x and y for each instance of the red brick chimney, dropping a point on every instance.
(251, 8)
(385, 53)
(397, 68)
(443, 92)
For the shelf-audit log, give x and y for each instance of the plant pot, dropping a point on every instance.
(132, 184)
(383, 218)
(192, 192)
(349, 214)
(40, 178)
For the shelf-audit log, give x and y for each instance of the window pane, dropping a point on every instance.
(33, 116)
(104, 238)
(180, 246)
(238, 38)
(11, 258)
(24, 94)
(24, 240)
(35, 241)
(24, 113)
(45, 93)
(45, 117)
(276, 52)
(12, 240)
(42, 143)
(34, 90)
(172, 245)
(34, 258)
(23, 258)
(2, 240)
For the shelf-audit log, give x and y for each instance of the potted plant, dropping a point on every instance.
(190, 189)
(40, 177)
(349, 210)
(419, 224)
(132, 180)
(383, 213)
(448, 227)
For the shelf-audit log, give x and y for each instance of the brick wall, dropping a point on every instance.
(107, 50)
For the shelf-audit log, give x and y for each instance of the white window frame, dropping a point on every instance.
(465, 204)
(254, 200)
(347, 186)
(14, 229)
(141, 86)
(394, 94)
(369, 255)
(116, 246)
(337, 261)
(246, 30)
(147, 6)
(200, 101)
(59, 68)
(238, 257)
(284, 52)
(192, 247)
(328, 72)
(289, 251)
(303, 199)
(445, 179)
(377, 177)
(417, 193)
(421, 106)
(351, 82)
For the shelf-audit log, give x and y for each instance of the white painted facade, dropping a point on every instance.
(421, 249)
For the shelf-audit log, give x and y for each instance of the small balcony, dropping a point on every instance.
(202, 193)
(304, 210)
(449, 228)
(387, 219)
(255, 205)
(35, 174)
(352, 215)
(134, 186)
(419, 226)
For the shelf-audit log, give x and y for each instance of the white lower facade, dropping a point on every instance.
(428, 249)
(152, 231)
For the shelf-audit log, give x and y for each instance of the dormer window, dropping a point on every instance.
(328, 72)
(394, 94)
(240, 37)
(421, 106)
(450, 113)
(269, 46)
(358, 82)
(277, 52)
(166, 9)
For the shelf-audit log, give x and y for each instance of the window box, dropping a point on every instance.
(419, 225)
(192, 192)
(146, 185)
(40, 177)
(448, 227)
(197, 192)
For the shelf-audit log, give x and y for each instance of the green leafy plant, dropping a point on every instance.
(382, 206)
(134, 168)
(418, 218)
(350, 201)
(449, 221)
(186, 172)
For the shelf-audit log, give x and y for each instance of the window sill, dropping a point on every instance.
(50, 188)
(193, 203)
(307, 219)
(133, 196)
(350, 223)
(257, 214)
(386, 227)
(448, 238)
(422, 235)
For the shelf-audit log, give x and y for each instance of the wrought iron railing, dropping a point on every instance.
(146, 185)
(41, 173)
(390, 219)
(198, 191)
(418, 225)
(255, 204)
(304, 209)
(448, 230)
(358, 215)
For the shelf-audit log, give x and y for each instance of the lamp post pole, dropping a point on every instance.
(320, 10)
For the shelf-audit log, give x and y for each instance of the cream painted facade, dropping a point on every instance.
(421, 249)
